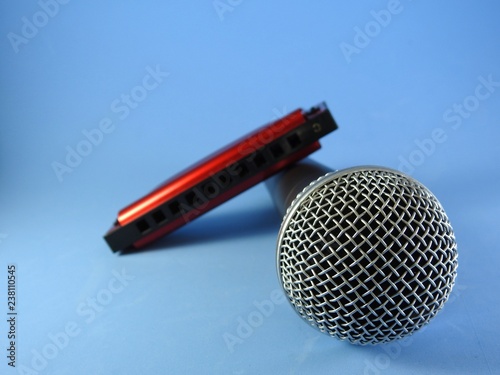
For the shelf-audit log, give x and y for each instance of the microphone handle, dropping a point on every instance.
(287, 184)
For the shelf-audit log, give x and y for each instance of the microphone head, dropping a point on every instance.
(367, 255)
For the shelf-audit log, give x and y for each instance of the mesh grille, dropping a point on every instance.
(367, 255)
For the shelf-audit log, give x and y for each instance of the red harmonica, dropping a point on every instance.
(219, 177)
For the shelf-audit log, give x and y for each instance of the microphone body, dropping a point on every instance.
(365, 254)
(285, 186)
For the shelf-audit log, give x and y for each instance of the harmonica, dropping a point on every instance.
(220, 176)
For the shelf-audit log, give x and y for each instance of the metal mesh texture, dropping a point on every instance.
(367, 255)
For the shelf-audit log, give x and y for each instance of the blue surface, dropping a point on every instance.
(223, 68)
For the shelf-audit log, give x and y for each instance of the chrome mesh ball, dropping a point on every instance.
(367, 255)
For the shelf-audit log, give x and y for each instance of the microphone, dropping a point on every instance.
(365, 254)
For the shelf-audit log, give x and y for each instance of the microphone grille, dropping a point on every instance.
(367, 255)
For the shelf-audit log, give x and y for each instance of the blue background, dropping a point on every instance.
(233, 66)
